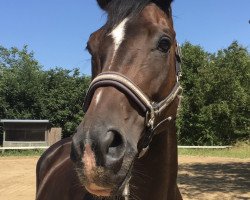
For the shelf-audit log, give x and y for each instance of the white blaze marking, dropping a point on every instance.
(98, 96)
(118, 35)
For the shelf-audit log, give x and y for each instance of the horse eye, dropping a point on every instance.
(164, 44)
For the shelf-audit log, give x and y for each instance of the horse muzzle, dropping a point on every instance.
(102, 160)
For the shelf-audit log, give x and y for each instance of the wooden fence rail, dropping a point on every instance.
(180, 147)
(204, 147)
(22, 148)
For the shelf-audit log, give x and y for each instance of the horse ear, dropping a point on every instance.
(103, 3)
(164, 4)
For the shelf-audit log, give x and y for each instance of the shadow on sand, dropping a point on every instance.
(215, 178)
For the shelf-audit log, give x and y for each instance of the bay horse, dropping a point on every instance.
(126, 146)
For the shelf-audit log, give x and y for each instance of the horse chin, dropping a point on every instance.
(98, 191)
(103, 183)
(102, 191)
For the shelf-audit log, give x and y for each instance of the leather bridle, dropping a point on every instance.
(149, 108)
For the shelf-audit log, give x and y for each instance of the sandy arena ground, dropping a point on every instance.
(199, 178)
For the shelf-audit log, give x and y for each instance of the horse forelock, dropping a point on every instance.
(118, 10)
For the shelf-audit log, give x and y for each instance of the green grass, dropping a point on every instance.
(22, 153)
(240, 150)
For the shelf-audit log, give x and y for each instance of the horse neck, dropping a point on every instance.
(154, 175)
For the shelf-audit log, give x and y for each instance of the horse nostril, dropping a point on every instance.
(117, 140)
(115, 144)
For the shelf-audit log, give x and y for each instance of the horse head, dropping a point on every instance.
(133, 93)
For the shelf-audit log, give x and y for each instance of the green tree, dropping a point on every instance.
(21, 84)
(28, 92)
(215, 107)
(65, 92)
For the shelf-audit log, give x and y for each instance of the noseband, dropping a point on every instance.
(151, 109)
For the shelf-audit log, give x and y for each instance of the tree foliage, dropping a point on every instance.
(215, 107)
(28, 92)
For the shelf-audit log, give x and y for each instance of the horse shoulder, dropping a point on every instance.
(55, 174)
(51, 157)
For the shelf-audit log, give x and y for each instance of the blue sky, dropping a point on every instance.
(57, 30)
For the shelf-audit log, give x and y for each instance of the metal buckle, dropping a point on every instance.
(178, 56)
(143, 152)
(147, 138)
(178, 52)
(126, 191)
(150, 118)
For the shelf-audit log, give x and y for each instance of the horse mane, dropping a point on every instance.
(118, 10)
